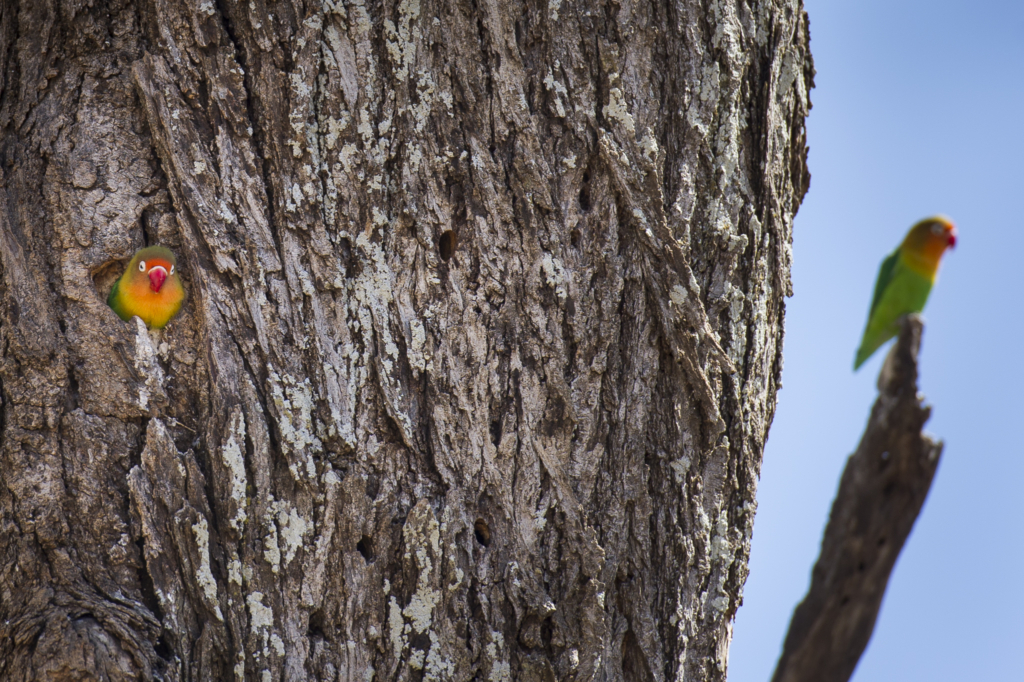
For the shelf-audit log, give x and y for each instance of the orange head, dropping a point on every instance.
(924, 245)
(151, 267)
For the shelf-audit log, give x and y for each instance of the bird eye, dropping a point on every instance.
(172, 269)
(142, 266)
(937, 229)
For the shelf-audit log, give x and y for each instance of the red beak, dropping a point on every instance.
(952, 240)
(156, 278)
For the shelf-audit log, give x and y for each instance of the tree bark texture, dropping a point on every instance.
(480, 349)
(880, 495)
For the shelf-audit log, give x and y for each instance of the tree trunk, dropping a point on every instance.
(480, 348)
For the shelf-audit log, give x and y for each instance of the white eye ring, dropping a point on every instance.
(142, 266)
(937, 229)
(172, 270)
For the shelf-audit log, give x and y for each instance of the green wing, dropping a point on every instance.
(899, 291)
(115, 302)
(884, 277)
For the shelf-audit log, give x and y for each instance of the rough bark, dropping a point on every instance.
(480, 349)
(880, 495)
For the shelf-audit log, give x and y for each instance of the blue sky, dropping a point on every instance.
(918, 109)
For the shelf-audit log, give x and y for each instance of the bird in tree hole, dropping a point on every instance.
(904, 281)
(149, 288)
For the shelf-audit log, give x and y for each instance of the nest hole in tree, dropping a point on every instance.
(365, 548)
(584, 196)
(162, 649)
(446, 244)
(103, 278)
(482, 532)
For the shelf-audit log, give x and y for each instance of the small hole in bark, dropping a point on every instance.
(574, 237)
(316, 625)
(419, 642)
(585, 196)
(861, 567)
(881, 542)
(161, 649)
(844, 601)
(446, 244)
(365, 547)
(482, 532)
(496, 432)
(547, 629)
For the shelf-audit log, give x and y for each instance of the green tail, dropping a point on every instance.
(867, 349)
(114, 301)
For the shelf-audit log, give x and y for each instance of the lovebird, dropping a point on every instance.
(904, 282)
(149, 288)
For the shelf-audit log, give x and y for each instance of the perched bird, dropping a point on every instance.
(904, 281)
(149, 288)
